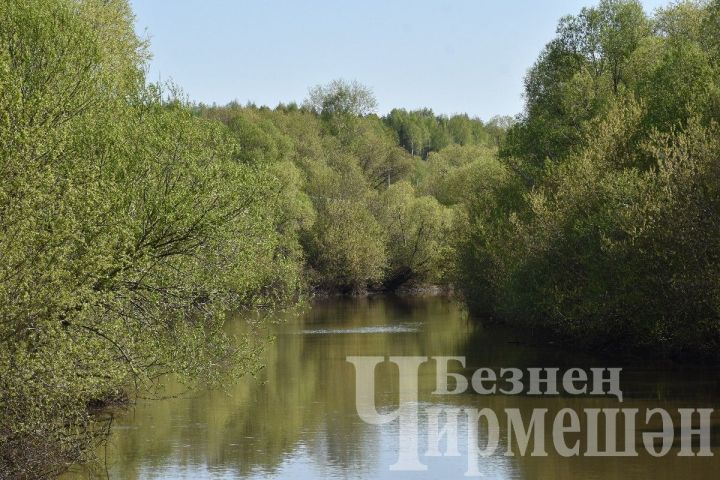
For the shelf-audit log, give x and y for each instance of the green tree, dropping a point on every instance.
(416, 229)
(129, 225)
(341, 97)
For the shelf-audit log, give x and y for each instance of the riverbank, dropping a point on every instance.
(409, 289)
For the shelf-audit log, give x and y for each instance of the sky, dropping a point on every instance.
(454, 56)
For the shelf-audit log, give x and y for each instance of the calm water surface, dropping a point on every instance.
(297, 420)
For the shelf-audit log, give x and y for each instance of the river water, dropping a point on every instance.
(298, 418)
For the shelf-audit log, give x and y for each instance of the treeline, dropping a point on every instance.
(604, 220)
(368, 213)
(421, 132)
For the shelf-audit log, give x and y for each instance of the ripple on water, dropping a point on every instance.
(401, 328)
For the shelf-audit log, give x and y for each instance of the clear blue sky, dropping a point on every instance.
(452, 56)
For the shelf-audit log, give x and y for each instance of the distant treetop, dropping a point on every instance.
(342, 97)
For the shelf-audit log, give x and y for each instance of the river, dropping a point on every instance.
(298, 420)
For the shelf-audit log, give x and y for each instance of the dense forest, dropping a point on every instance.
(132, 220)
(603, 221)
(360, 210)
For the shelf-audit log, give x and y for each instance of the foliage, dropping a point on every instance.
(614, 241)
(127, 227)
(450, 173)
(368, 223)
(421, 132)
(416, 229)
(341, 98)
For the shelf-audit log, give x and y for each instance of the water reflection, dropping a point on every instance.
(298, 419)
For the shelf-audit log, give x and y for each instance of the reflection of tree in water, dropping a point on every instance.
(303, 403)
(645, 386)
(303, 399)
